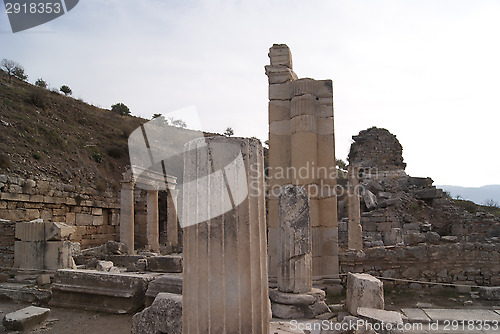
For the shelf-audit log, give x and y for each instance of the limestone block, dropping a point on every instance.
(323, 88)
(280, 91)
(171, 283)
(28, 255)
(308, 298)
(163, 316)
(100, 291)
(370, 199)
(57, 255)
(25, 318)
(31, 231)
(165, 264)
(295, 253)
(104, 265)
(43, 279)
(279, 74)
(391, 320)
(364, 290)
(58, 231)
(303, 86)
(279, 110)
(84, 219)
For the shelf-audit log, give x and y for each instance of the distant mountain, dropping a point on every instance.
(477, 195)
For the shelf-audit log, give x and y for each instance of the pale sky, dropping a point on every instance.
(428, 71)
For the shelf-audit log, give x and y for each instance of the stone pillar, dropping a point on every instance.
(295, 298)
(225, 287)
(302, 152)
(354, 230)
(172, 223)
(127, 212)
(152, 227)
(295, 251)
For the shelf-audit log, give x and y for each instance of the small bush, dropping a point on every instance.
(121, 109)
(4, 161)
(36, 99)
(36, 156)
(41, 83)
(66, 90)
(116, 152)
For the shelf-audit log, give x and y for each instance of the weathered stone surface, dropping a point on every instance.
(24, 293)
(100, 291)
(115, 247)
(370, 199)
(490, 293)
(461, 315)
(295, 253)
(104, 265)
(283, 311)
(171, 283)
(58, 231)
(165, 264)
(43, 255)
(432, 237)
(31, 231)
(225, 273)
(296, 298)
(163, 316)
(25, 318)
(355, 233)
(389, 320)
(43, 279)
(416, 315)
(127, 212)
(449, 238)
(364, 290)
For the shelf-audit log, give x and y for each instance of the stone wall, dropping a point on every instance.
(445, 263)
(94, 214)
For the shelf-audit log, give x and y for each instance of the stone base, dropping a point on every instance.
(100, 291)
(298, 306)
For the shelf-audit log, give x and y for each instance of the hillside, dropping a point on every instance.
(45, 133)
(478, 195)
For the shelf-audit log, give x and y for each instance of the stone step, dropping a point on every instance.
(171, 283)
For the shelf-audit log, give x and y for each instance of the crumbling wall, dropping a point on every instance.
(446, 263)
(93, 214)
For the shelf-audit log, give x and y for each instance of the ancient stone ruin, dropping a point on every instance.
(302, 152)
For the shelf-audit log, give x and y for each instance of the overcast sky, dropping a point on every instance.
(428, 71)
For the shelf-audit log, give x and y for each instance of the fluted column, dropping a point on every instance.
(127, 212)
(295, 251)
(225, 287)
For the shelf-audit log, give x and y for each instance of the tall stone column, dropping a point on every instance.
(354, 230)
(172, 223)
(127, 212)
(152, 228)
(225, 286)
(302, 152)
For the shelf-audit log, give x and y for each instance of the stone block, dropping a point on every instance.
(25, 318)
(171, 283)
(104, 265)
(84, 219)
(364, 290)
(163, 316)
(43, 279)
(392, 321)
(100, 291)
(384, 226)
(432, 237)
(282, 91)
(490, 293)
(29, 255)
(58, 231)
(31, 231)
(165, 264)
(370, 199)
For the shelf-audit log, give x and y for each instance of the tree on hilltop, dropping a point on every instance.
(41, 83)
(121, 109)
(13, 69)
(66, 90)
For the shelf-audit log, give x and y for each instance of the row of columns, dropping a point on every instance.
(152, 228)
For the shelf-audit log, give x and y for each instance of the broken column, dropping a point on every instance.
(295, 298)
(354, 230)
(302, 152)
(152, 227)
(44, 245)
(127, 211)
(364, 290)
(225, 286)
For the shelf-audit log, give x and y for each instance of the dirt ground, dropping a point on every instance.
(70, 321)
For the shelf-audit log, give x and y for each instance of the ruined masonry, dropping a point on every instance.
(295, 298)
(302, 152)
(225, 287)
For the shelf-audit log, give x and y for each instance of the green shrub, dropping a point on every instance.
(121, 109)
(36, 156)
(41, 83)
(97, 157)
